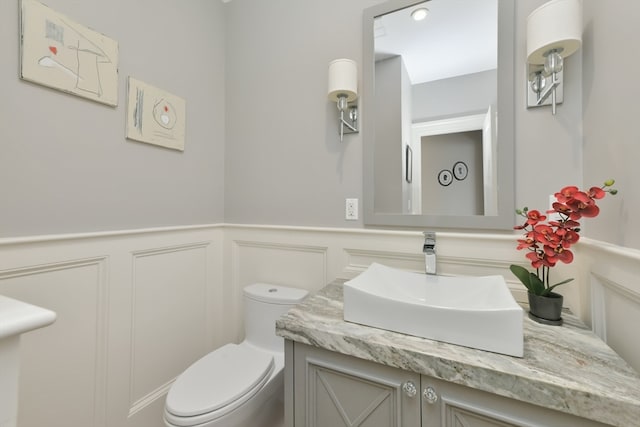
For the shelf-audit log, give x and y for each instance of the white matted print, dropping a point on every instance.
(59, 53)
(155, 116)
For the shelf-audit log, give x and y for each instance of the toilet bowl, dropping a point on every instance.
(238, 385)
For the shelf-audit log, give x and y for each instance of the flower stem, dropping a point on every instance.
(546, 279)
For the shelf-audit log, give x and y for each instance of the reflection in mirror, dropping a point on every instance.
(466, 147)
(435, 89)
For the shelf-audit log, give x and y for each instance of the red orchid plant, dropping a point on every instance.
(549, 241)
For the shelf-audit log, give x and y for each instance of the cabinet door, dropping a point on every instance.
(334, 390)
(450, 405)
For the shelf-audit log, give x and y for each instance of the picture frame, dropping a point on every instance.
(155, 116)
(62, 54)
(445, 177)
(408, 164)
(460, 170)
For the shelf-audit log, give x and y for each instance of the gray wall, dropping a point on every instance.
(467, 94)
(286, 164)
(610, 112)
(65, 164)
(592, 138)
(290, 168)
(66, 167)
(442, 152)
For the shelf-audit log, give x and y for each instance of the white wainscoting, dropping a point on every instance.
(614, 276)
(135, 308)
(62, 363)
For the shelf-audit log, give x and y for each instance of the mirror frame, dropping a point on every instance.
(505, 218)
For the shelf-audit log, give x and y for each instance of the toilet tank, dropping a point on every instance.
(263, 304)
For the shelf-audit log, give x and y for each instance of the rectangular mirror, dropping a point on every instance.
(438, 102)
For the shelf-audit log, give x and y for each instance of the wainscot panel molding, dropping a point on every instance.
(169, 310)
(70, 356)
(612, 292)
(125, 299)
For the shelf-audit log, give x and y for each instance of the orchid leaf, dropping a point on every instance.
(521, 273)
(536, 286)
(530, 280)
(560, 283)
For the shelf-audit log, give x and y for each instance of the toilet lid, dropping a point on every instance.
(221, 377)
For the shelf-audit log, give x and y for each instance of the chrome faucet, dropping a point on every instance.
(429, 249)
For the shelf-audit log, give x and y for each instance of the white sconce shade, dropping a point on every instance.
(343, 79)
(556, 25)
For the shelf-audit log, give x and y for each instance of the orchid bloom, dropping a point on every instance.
(545, 235)
(534, 217)
(568, 237)
(548, 242)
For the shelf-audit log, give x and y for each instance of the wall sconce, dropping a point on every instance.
(343, 89)
(554, 31)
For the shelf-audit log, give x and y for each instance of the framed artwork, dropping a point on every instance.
(409, 164)
(445, 177)
(460, 170)
(62, 54)
(155, 116)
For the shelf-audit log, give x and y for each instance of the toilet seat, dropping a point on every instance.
(217, 384)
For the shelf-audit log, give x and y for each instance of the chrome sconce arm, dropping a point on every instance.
(348, 116)
(546, 81)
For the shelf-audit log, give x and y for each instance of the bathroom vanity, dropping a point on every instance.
(340, 373)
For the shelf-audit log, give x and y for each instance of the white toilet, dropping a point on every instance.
(238, 385)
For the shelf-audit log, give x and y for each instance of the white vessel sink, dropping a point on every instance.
(476, 312)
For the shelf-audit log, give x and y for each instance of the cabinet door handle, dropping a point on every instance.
(430, 395)
(410, 389)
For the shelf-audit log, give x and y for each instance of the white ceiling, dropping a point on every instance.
(458, 37)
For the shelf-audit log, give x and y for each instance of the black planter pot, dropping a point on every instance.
(546, 309)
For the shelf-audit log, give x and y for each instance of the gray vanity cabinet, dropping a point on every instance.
(333, 390)
(451, 405)
(328, 389)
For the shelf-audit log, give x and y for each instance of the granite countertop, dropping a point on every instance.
(565, 368)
